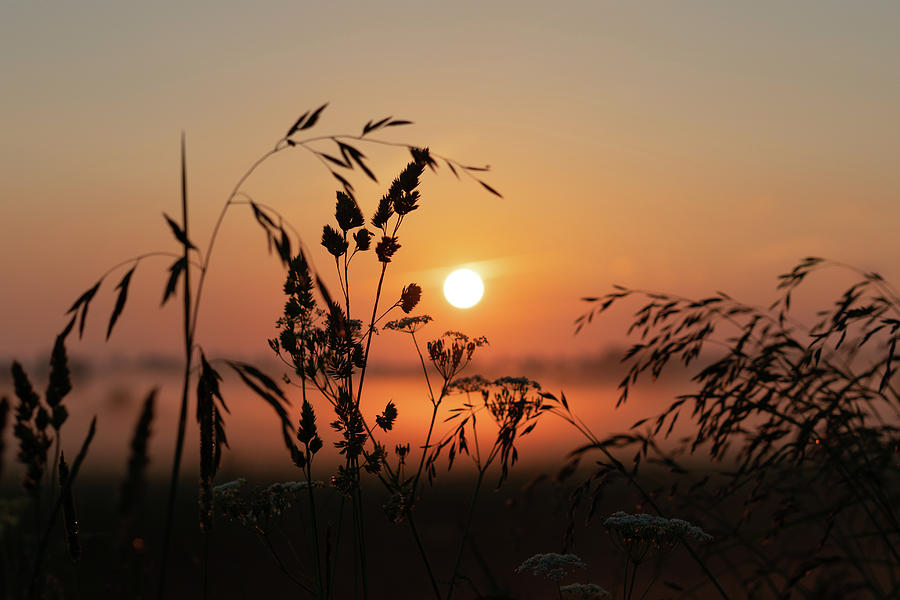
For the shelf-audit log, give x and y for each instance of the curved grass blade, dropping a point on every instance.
(120, 300)
(268, 390)
(179, 233)
(175, 272)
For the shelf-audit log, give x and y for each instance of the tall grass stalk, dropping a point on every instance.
(363, 450)
(804, 416)
(465, 534)
(188, 337)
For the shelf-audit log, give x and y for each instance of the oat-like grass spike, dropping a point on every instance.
(422, 156)
(298, 286)
(406, 202)
(30, 429)
(333, 241)
(307, 433)
(350, 425)
(384, 212)
(59, 384)
(347, 212)
(207, 386)
(386, 419)
(402, 192)
(363, 239)
(4, 417)
(375, 459)
(410, 297)
(343, 481)
(386, 248)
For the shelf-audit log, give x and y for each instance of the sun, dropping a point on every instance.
(463, 288)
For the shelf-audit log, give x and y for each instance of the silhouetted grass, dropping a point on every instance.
(803, 419)
(798, 424)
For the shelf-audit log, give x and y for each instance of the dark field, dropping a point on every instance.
(529, 515)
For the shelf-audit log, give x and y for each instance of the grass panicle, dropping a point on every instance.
(135, 484)
(4, 417)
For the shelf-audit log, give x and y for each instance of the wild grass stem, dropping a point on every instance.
(287, 572)
(595, 441)
(415, 532)
(188, 333)
(465, 534)
(315, 528)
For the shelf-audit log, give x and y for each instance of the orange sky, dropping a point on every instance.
(688, 148)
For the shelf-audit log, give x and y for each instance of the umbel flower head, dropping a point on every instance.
(513, 399)
(637, 534)
(259, 506)
(408, 324)
(552, 566)
(583, 591)
(451, 352)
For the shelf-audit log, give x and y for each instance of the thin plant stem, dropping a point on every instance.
(361, 540)
(315, 531)
(333, 566)
(423, 554)
(312, 502)
(625, 581)
(649, 499)
(362, 372)
(265, 537)
(188, 350)
(355, 552)
(54, 474)
(633, 578)
(205, 564)
(35, 583)
(425, 449)
(468, 525)
(218, 225)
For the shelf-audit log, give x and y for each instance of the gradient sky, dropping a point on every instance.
(688, 147)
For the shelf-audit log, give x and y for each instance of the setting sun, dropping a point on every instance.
(463, 288)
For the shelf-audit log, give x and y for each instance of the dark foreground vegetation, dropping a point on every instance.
(786, 486)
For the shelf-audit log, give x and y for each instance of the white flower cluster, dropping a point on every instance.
(552, 566)
(230, 488)
(260, 505)
(583, 591)
(655, 529)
